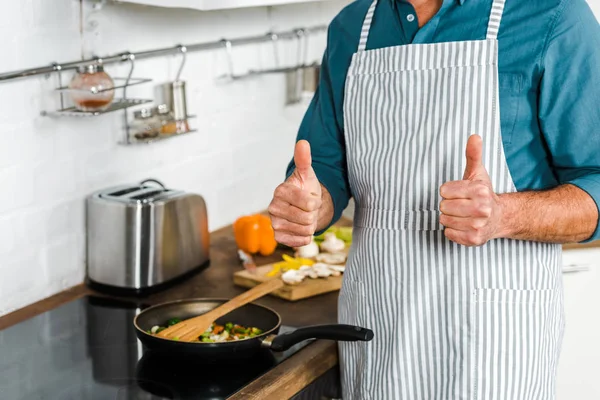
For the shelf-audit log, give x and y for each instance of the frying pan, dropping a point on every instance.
(249, 315)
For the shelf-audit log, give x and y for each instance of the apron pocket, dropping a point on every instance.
(515, 343)
(353, 309)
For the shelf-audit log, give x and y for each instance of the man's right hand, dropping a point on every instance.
(297, 203)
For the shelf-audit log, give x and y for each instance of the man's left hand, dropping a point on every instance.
(471, 211)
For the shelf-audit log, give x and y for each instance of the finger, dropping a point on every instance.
(281, 209)
(466, 190)
(475, 170)
(464, 208)
(297, 197)
(303, 158)
(463, 238)
(292, 240)
(455, 190)
(284, 226)
(463, 224)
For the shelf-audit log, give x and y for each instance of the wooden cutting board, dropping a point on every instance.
(305, 289)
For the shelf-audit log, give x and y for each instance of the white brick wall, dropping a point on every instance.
(48, 166)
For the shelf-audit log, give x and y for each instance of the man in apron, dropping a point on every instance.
(470, 161)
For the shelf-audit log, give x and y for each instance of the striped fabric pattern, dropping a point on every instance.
(450, 322)
(495, 18)
(364, 34)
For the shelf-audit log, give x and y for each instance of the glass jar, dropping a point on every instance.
(182, 126)
(92, 89)
(168, 124)
(145, 125)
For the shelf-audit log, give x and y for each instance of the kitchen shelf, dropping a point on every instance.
(209, 5)
(120, 83)
(137, 142)
(117, 104)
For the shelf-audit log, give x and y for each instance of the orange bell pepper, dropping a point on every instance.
(254, 234)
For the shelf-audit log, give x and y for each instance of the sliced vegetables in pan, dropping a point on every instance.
(216, 333)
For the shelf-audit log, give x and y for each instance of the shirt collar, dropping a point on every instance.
(461, 2)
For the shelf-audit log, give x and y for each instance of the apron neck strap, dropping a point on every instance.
(492, 30)
(495, 18)
(364, 34)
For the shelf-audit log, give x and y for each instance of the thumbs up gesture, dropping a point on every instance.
(471, 211)
(295, 207)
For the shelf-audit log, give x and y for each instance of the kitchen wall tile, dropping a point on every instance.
(63, 219)
(16, 15)
(18, 181)
(55, 14)
(56, 179)
(49, 165)
(30, 229)
(20, 276)
(64, 260)
(7, 235)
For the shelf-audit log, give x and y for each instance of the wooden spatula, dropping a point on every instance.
(190, 329)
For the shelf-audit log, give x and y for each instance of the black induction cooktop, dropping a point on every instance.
(87, 349)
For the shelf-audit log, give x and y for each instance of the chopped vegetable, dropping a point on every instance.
(218, 329)
(331, 258)
(344, 233)
(318, 270)
(332, 244)
(215, 333)
(293, 277)
(289, 263)
(308, 251)
(256, 331)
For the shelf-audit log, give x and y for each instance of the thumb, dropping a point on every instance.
(475, 169)
(303, 159)
(304, 171)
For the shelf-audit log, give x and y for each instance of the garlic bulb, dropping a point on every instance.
(332, 244)
(309, 251)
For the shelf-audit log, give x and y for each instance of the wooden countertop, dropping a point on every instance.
(285, 380)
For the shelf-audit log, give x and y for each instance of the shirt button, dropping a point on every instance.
(410, 17)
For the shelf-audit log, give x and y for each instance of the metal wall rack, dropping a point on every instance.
(124, 102)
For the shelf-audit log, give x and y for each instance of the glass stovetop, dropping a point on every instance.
(87, 350)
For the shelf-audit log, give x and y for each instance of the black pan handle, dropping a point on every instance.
(346, 333)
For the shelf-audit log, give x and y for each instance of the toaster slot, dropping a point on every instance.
(150, 194)
(122, 192)
(138, 194)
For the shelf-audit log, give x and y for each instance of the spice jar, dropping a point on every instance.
(145, 125)
(168, 124)
(173, 94)
(92, 89)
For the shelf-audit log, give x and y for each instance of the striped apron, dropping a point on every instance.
(450, 322)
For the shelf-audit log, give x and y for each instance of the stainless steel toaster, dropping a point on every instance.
(142, 238)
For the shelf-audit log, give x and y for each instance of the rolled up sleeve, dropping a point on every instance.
(569, 98)
(322, 127)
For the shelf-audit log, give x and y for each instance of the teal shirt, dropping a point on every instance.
(549, 80)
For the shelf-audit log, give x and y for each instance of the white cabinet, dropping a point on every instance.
(579, 365)
(207, 5)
